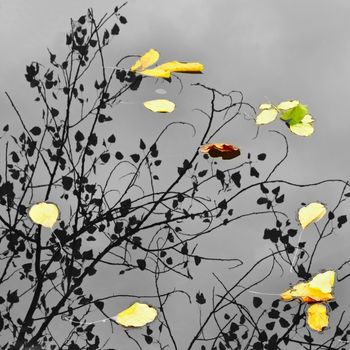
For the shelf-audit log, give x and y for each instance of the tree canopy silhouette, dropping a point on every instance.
(74, 203)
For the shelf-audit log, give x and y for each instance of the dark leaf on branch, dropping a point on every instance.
(257, 302)
(12, 297)
(254, 172)
(122, 20)
(135, 157)
(141, 263)
(115, 30)
(35, 131)
(262, 156)
(236, 178)
(342, 220)
(67, 182)
(200, 298)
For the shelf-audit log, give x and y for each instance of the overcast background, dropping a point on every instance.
(271, 50)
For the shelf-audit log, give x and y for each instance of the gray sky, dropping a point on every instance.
(271, 50)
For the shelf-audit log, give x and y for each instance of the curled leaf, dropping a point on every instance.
(221, 150)
(160, 106)
(149, 58)
(137, 315)
(319, 288)
(311, 214)
(182, 67)
(45, 214)
(317, 317)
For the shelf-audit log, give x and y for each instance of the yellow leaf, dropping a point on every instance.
(323, 281)
(45, 214)
(149, 58)
(160, 106)
(302, 129)
(319, 288)
(156, 72)
(137, 315)
(317, 317)
(266, 116)
(285, 105)
(182, 67)
(311, 214)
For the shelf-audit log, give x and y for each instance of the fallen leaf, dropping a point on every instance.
(45, 214)
(311, 213)
(317, 317)
(149, 58)
(221, 150)
(160, 106)
(137, 315)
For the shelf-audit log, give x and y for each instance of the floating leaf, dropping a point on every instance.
(156, 72)
(137, 315)
(160, 106)
(266, 116)
(182, 67)
(319, 288)
(317, 317)
(45, 214)
(149, 58)
(221, 150)
(285, 105)
(304, 128)
(311, 214)
(296, 114)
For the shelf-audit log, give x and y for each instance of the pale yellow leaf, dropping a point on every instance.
(302, 129)
(149, 58)
(285, 105)
(311, 213)
(137, 315)
(160, 106)
(323, 281)
(266, 116)
(45, 214)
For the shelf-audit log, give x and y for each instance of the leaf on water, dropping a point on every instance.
(221, 150)
(285, 105)
(182, 67)
(45, 214)
(156, 72)
(317, 317)
(149, 58)
(266, 116)
(304, 128)
(160, 106)
(319, 288)
(296, 114)
(137, 315)
(311, 214)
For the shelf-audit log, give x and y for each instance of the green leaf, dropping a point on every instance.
(296, 114)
